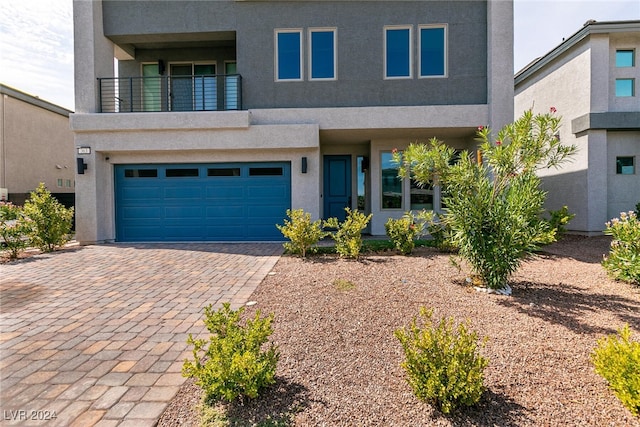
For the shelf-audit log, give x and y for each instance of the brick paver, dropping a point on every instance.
(96, 335)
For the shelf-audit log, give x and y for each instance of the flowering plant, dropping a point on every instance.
(623, 262)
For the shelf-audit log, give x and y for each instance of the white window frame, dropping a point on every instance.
(275, 53)
(446, 50)
(334, 30)
(384, 52)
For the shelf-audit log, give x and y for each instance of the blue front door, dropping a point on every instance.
(201, 202)
(337, 186)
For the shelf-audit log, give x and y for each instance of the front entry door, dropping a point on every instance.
(337, 186)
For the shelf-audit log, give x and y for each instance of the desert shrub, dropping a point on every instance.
(403, 232)
(442, 362)
(623, 261)
(14, 229)
(348, 234)
(617, 360)
(558, 219)
(440, 231)
(302, 233)
(493, 207)
(51, 221)
(232, 363)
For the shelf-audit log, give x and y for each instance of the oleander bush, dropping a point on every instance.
(302, 233)
(623, 260)
(51, 221)
(443, 364)
(617, 359)
(234, 362)
(348, 234)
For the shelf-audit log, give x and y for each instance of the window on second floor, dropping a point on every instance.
(322, 57)
(288, 55)
(625, 58)
(397, 52)
(433, 51)
(625, 87)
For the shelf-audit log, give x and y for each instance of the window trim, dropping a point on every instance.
(445, 58)
(384, 53)
(276, 53)
(310, 32)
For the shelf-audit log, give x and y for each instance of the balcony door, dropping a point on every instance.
(193, 87)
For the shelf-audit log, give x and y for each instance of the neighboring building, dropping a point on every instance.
(226, 113)
(36, 145)
(593, 80)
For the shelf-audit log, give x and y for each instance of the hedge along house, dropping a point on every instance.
(593, 80)
(220, 115)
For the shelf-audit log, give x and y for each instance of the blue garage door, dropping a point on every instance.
(201, 202)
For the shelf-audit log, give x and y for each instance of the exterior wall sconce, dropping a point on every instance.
(82, 166)
(304, 165)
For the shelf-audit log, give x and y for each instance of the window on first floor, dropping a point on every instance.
(397, 52)
(391, 185)
(625, 58)
(432, 51)
(625, 166)
(322, 57)
(288, 54)
(421, 196)
(625, 87)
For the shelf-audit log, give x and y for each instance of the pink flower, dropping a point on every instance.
(480, 128)
(394, 151)
(553, 109)
(498, 142)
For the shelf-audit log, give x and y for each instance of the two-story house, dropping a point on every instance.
(220, 115)
(593, 80)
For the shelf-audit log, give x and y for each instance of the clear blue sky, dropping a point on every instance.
(36, 38)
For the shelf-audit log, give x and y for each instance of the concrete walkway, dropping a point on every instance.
(96, 335)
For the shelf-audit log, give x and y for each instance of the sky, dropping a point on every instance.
(36, 38)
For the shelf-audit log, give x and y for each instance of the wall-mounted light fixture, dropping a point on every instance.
(82, 166)
(364, 164)
(304, 165)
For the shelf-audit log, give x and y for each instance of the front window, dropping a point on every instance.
(391, 185)
(624, 87)
(397, 52)
(421, 197)
(322, 58)
(433, 51)
(288, 55)
(625, 166)
(625, 58)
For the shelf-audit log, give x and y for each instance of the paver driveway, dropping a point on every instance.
(96, 335)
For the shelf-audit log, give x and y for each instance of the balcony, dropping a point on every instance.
(219, 92)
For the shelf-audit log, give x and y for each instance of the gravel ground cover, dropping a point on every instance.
(340, 363)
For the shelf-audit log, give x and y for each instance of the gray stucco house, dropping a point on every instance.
(220, 115)
(593, 81)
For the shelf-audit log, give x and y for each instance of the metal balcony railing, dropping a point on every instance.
(170, 93)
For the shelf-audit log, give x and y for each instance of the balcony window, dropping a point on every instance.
(193, 87)
(322, 54)
(432, 51)
(397, 52)
(288, 55)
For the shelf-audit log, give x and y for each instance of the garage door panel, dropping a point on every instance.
(214, 202)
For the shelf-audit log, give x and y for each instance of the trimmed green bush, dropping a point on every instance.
(623, 261)
(403, 232)
(442, 362)
(558, 219)
(51, 221)
(302, 233)
(617, 360)
(232, 363)
(348, 236)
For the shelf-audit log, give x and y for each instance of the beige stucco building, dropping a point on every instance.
(36, 145)
(593, 80)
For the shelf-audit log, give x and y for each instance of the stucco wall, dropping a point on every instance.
(623, 191)
(37, 147)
